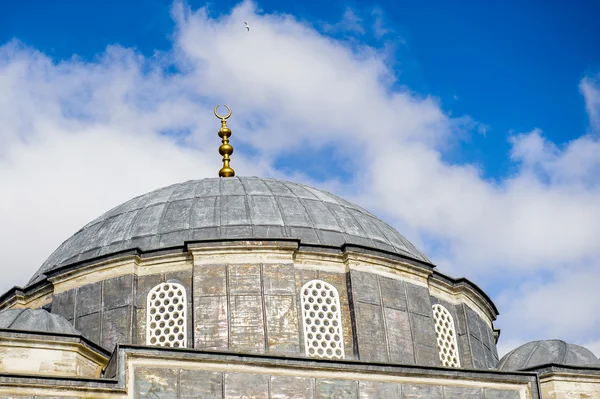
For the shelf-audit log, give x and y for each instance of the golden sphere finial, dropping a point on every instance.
(225, 149)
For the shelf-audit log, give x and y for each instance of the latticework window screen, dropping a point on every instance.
(322, 320)
(446, 336)
(166, 322)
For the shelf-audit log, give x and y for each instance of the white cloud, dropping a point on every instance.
(80, 137)
(350, 23)
(590, 88)
(379, 27)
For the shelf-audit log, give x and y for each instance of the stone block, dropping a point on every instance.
(462, 393)
(89, 326)
(490, 361)
(155, 383)
(372, 345)
(393, 293)
(116, 327)
(479, 361)
(245, 385)
(427, 355)
(244, 279)
(399, 336)
(461, 320)
(141, 322)
(183, 277)
(278, 279)
(424, 329)
(246, 324)
(421, 391)
(211, 318)
(338, 280)
(282, 324)
(199, 384)
(303, 276)
(419, 301)
(210, 280)
(347, 331)
(365, 287)
(374, 389)
(473, 323)
(64, 304)
(466, 357)
(284, 387)
(500, 394)
(89, 299)
(144, 285)
(336, 389)
(117, 292)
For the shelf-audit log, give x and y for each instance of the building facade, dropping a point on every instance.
(261, 288)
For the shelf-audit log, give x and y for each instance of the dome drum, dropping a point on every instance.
(246, 297)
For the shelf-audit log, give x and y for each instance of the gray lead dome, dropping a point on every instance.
(539, 353)
(230, 208)
(35, 320)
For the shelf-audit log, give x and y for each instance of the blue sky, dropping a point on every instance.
(512, 66)
(471, 127)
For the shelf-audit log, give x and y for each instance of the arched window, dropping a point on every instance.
(322, 320)
(166, 322)
(446, 336)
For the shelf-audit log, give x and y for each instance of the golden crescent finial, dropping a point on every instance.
(223, 117)
(225, 149)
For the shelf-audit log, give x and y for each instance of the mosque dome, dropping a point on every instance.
(38, 320)
(232, 208)
(538, 353)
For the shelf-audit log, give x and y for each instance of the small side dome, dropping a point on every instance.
(538, 353)
(35, 320)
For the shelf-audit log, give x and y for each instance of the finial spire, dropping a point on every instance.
(225, 149)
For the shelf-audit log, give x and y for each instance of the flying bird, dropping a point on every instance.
(247, 27)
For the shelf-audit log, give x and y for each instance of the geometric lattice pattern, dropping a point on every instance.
(166, 322)
(322, 320)
(446, 336)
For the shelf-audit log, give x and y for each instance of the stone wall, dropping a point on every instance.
(101, 311)
(143, 286)
(570, 382)
(476, 344)
(386, 314)
(200, 384)
(206, 376)
(394, 320)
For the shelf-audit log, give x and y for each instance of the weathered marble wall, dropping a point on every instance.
(255, 308)
(143, 286)
(200, 384)
(101, 311)
(394, 320)
(476, 344)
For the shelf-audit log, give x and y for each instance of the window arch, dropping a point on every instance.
(322, 320)
(446, 336)
(166, 316)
